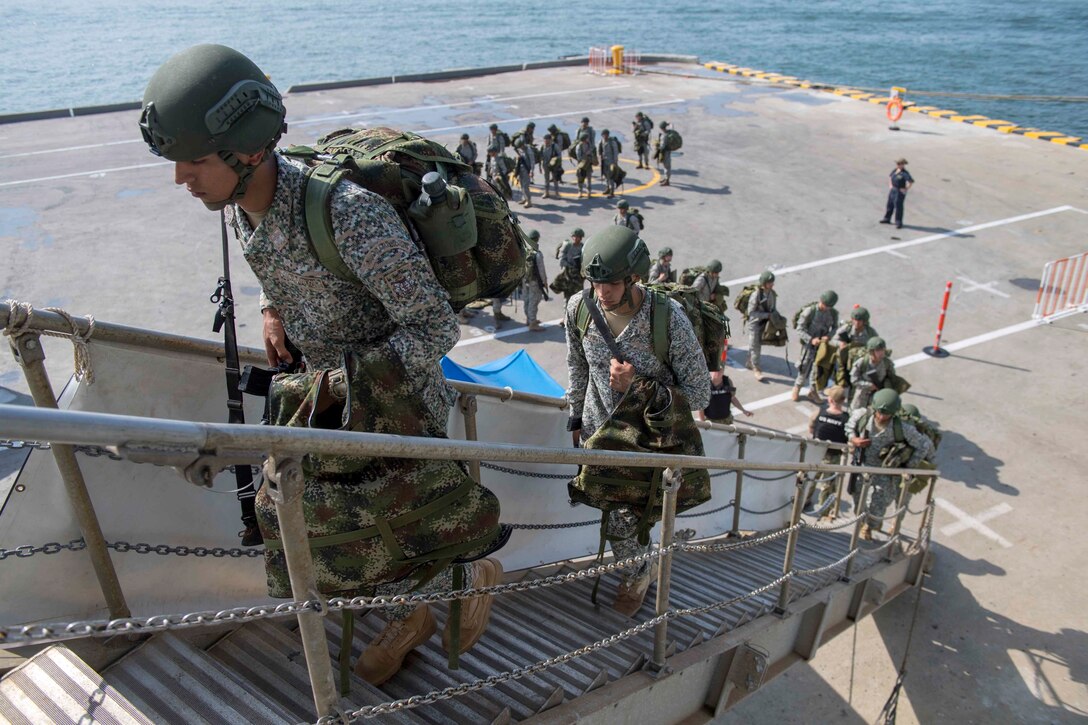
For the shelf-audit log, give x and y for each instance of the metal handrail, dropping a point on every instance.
(178, 442)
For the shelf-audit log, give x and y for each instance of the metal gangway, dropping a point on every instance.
(747, 584)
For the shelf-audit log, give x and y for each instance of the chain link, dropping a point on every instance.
(526, 474)
(783, 477)
(706, 513)
(835, 527)
(772, 511)
(122, 547)
(828, 567)
(541, 527)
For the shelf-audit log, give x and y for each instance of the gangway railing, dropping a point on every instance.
(200, 450)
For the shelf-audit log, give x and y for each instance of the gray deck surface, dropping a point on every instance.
(768, 176)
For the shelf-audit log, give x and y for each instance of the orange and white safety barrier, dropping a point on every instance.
(598, 61)
(1063, 289)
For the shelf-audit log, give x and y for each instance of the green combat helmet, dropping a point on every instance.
(860, 313)
(212, 99)
(622, 204)
(715, 266)
(665, 252)
(911, 410)
(767, 276)
(829, 298)
(876, 343)
(577, 232)
(534, 239)
(886, 401)
(663, 125)
(613, 255)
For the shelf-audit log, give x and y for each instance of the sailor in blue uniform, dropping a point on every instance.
(899, 181)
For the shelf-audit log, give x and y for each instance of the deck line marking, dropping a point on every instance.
(991, 513)
(902, 245)
(972, 522)
(480, 101)
(85, 173)
(977, 286)
(896, 254)
(423, 131)
(322, 119)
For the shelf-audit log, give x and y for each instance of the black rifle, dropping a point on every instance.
(224, 320)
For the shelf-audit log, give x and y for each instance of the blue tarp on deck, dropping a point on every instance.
(517, 371)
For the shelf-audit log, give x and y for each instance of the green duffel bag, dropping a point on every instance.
(374, 520)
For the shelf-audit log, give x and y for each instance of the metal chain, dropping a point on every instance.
(25, 551)
(706, 513)
(835, 527)
(829, 567)
(519, 672)
(540, 527)
(772, 511)
(737, 545)
(526, 474)
(783, 477)
(882, 547)
(892, 515)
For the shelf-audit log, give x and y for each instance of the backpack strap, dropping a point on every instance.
(659, 325)
(320, 181)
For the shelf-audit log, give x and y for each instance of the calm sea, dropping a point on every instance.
(71, 53)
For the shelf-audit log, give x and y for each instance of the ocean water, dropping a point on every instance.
(72, 53)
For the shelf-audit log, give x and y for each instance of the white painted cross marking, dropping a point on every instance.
(988, 287)
(966, 521)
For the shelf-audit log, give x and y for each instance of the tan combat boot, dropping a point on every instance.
(535, 326)
(386, 653)
(758, 374)
(866, 533)
(815, 397)
(476, 611)
(630, 594)
(795, 394)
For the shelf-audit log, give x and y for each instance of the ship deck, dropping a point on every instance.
(790, 178)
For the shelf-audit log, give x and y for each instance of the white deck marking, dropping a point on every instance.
(423, 131)
(896, 254)
(85, 173)
(966, 521)
(902, 245)
(976, 286)
(322, 119)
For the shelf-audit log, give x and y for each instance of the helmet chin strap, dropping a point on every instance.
(627, 300)
(245, 174)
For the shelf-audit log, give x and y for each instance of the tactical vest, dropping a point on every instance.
(472, 241)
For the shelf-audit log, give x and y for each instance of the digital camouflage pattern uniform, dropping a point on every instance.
(536, 280)
(884, 490)
(592, 400)
(867, 378)
(569, 281)
(466, 151)
(711, 291)
(849, 339)
(627, 219)
(551, 159)
(813, 323)
(761, 304)
(397, 310)
(643, 129)
(610, 156)
(583, 154)
(659, 268)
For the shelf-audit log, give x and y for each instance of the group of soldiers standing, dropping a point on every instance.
(585, 151)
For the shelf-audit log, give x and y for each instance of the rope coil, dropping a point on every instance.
(21, 314)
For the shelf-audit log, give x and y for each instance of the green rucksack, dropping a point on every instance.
(775, 332)
(673, 140)
(797, 315)
(710, 325)
(741, 303)
(564, 140)
(689, 275)
(473, 243)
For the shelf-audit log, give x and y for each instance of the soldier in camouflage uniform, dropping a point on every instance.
(583, 155)
(709, 288)
(466, 151)
(598, 381)
(569, 281)
(642, 127)
(815, 325)
(661, 270)
(664, 156)
(585, 128)
(627, 218)
(871, 372)
(536, 282)
(526, 159)
(872, 433)
(551, 160)
(212, 112)
(496, 154)
(761, 305)
(610, 160)
(852, 335)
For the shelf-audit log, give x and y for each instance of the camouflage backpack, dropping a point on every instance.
(673, 140)
(472, 241)
(775, 332)
(689, 275)
(741, 303)
(563, 138)
(710, 325)
(898, 453)
(372, 520)
(649, 418)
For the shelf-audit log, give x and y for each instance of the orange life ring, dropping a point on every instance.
(894, 109)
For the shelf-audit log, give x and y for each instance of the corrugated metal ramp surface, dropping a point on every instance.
(257, 673)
